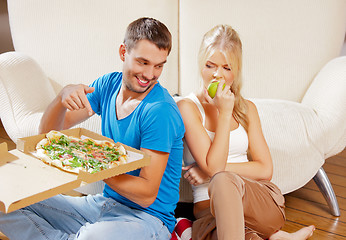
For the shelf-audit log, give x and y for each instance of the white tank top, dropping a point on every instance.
(237, 152)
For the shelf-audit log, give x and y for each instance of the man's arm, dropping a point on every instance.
(144, 188)
(69, 108)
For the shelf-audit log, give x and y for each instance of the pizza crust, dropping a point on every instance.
(41, 154)
(58, 164)
(54, 135)
(41, 143)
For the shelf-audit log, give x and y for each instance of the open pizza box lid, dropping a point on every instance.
(25, 180)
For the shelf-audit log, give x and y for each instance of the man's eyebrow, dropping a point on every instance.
(162, 62)
(142, 59)
(147, 61)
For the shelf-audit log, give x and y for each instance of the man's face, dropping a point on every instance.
(142, 65)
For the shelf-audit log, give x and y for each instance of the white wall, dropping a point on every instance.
(5, 34)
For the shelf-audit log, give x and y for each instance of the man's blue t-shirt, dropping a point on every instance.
(155, 124)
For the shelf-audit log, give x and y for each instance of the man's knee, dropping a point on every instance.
(93, 231)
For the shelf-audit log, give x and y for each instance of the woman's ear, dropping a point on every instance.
(122, 51)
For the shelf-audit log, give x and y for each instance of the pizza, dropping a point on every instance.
(72, 154)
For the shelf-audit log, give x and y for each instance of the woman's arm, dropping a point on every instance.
(261, 166)
(211, 157)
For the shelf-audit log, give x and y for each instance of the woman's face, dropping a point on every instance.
(216, 68)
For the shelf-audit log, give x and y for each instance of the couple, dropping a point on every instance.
(137, 111)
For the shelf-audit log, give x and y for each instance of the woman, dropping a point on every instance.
(221, 132)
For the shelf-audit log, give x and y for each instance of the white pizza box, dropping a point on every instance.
(25, 180)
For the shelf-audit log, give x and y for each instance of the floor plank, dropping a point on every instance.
(3, 133)
(335, 169)
(304, 206)
(10, 144)
(338, 160)
(327, 224)
(339, 190)
(343, 154)
(319, 234)
(316, 196)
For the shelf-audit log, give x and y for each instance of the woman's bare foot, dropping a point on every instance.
(301, 234)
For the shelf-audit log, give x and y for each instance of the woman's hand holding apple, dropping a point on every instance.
(221, 96)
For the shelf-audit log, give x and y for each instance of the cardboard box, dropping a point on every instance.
(25, 180)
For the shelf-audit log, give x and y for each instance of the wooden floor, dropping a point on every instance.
(305, 206)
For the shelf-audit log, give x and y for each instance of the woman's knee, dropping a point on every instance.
(226, 181)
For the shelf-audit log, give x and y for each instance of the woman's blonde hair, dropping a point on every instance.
(225, 39)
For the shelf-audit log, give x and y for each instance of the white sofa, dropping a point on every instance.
(291, 67)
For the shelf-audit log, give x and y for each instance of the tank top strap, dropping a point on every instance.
(194, 98)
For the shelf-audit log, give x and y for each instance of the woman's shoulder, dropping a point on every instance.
(251, 107)
(185, 103)
(188, 108)
(252, 112)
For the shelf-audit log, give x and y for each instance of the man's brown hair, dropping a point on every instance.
(148, 29)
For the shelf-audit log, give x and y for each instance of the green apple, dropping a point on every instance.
(213, 87)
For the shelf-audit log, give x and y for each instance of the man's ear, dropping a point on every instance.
(122, 51)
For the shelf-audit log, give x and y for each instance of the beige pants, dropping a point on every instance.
(241, 208)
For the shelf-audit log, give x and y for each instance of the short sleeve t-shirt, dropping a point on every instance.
(155, 124)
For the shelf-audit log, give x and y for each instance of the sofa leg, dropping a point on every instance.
(322, 181)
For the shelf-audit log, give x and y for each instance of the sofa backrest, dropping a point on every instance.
(285, 43)
(78, 41)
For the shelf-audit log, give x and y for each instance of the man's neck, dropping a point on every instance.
(127, 101)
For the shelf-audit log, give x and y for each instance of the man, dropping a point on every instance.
(137, 111)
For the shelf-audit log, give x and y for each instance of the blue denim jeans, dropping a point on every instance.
(90, 217)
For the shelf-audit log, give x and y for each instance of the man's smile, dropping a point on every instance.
(142, 82)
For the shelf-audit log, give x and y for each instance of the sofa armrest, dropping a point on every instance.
(25, 92)
(294, 134)
(326, 96)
